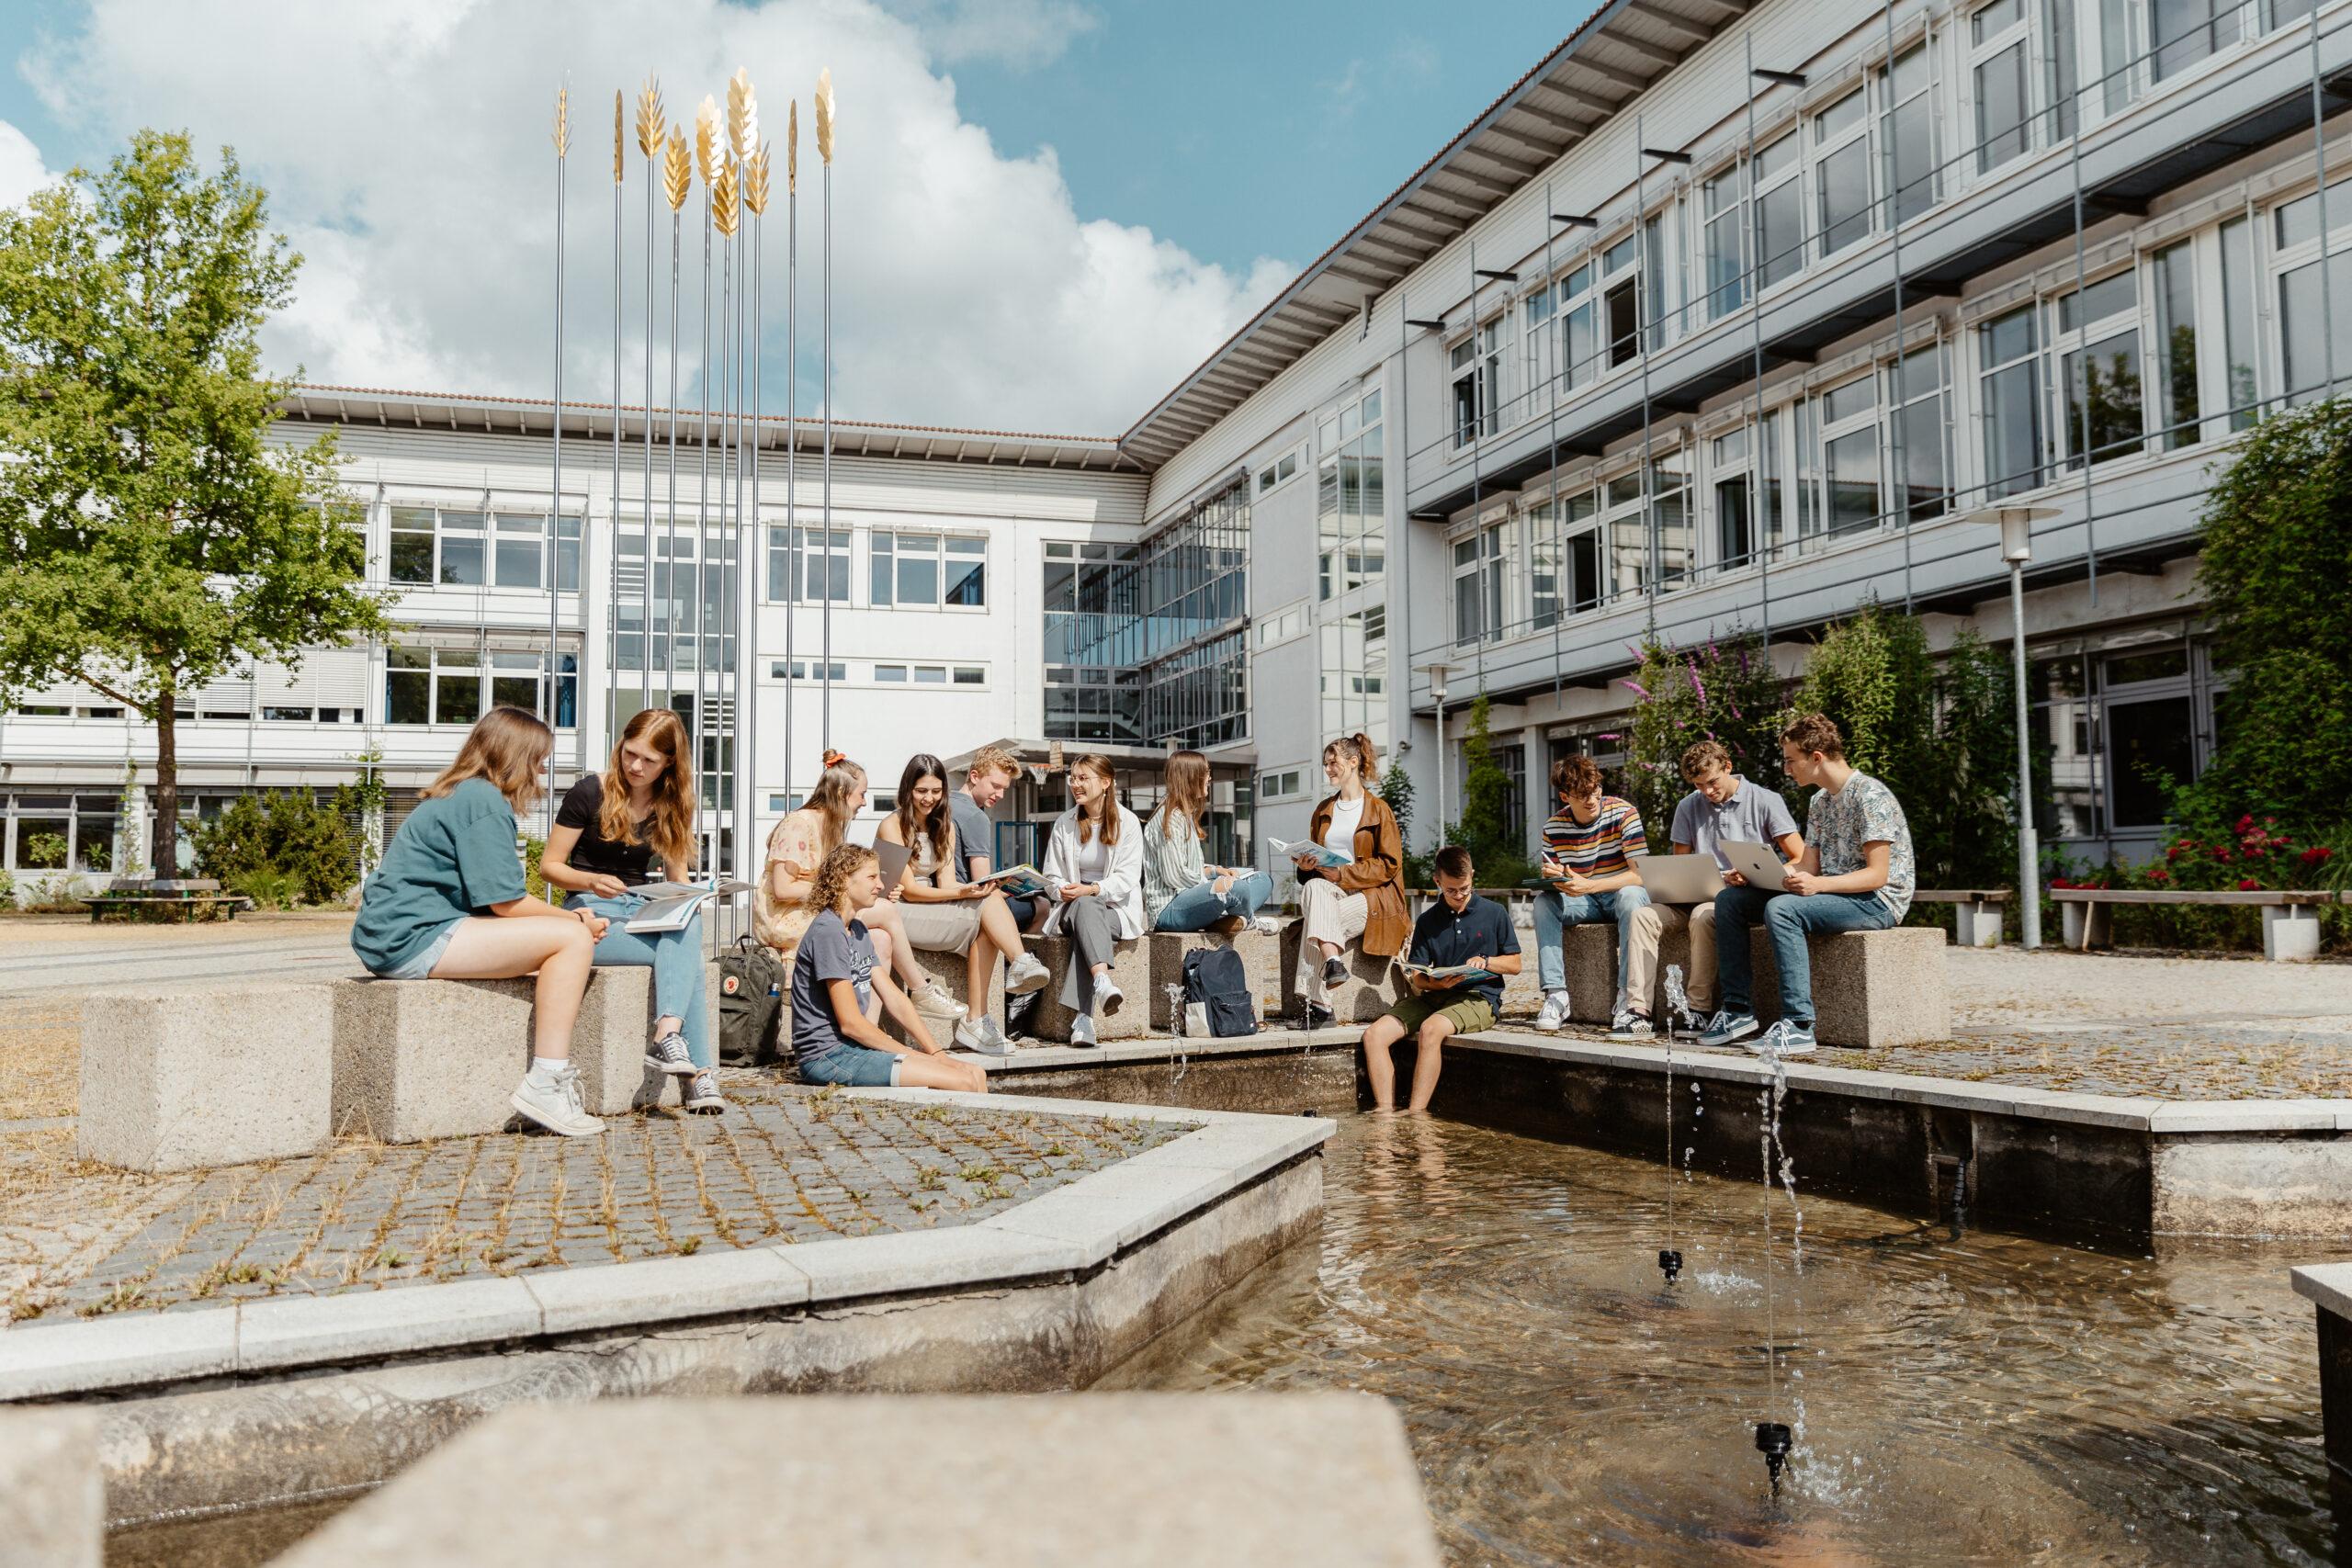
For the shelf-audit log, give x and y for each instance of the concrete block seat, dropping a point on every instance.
(1261, 960)
(1370, 988)
(418, 1059)
(950, 970)
(180, 1080)
(1870, 988)
(1130, 970)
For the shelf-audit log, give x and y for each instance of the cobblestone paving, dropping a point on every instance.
(788, 1165)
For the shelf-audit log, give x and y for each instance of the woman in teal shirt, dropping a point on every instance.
(449, 903)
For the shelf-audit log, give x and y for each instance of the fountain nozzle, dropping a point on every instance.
(1669, 1263)
(1773, 1442)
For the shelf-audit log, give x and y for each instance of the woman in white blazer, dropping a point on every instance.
(1095, 860)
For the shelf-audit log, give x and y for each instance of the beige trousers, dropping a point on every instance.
(1651, 924)
(1328, 914)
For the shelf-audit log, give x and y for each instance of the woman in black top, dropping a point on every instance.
(607, 835)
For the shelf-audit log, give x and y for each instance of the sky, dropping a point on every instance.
(1045, 211)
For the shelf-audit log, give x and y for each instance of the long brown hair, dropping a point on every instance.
(921, 765)
(1095, 763)
(841, 863)
(1358, 746)
(831, 797)
(673, 789)
(1187, 791)
(507, 746)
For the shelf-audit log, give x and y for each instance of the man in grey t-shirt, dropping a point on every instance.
(1722, 807)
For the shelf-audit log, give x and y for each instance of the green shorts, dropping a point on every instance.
(1468, 1015)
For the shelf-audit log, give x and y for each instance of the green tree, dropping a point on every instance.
(1725, 690)
(1484, 827)
(153, 539)
(1396, 789)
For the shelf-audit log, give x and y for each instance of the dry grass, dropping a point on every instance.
(41, 1057)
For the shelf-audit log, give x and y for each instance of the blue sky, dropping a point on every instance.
(1048, 211)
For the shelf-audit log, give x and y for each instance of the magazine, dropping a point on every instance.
(1024, 881)
(1319, 854)
(1444, 971)
(670, 905)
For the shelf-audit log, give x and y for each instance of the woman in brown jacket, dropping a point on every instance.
(1363, 901)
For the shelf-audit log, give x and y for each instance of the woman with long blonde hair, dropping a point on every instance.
(449, 902)
(839, 988)
(1180, 893)
(1094, 860)
(798, 845)
(609, 833)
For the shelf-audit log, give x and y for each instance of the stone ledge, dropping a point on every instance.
(2327, 1286)
(1164, 1048)
(1085, 1225)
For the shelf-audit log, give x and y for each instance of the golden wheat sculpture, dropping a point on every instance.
(723, 192)
(755, 179)
(562, 122)
(706, 141)
(792, 146)
(620, 134)
(649, 119)
(825, 114)
(742, 117)
(677, 171)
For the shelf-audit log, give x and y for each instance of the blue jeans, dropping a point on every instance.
(1789, 919)
(675, 958)
(851, 1065)
(1201, 906)
(1555, 911)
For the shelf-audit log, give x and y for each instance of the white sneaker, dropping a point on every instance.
(1785, 1039)
(932, 1001)
(1082, 1031)
(984, 1037)
(1025, 975)
(1108, 997)
(556, 1105)
(1266, 925)
(1555, 1013)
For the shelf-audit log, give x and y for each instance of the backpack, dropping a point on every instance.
(751, 981)
(1216, 982)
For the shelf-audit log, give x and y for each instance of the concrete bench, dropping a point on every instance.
(1870, 988)
(955, 978)
(1261, 961)
(2290, 919)
(1977, 920)
(418, 1059)
(1144, 969)
(189, 905)
(1130, 970)
(1370, 988)
(180, 1078)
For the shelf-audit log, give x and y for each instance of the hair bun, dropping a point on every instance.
(833, 759)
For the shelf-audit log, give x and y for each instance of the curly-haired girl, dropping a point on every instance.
(839, 991)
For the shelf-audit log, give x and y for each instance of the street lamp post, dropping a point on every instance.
(1437, 674)
(2017, 549)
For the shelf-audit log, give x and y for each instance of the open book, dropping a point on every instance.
(670, 905)
(1022, 881)
(1315, 853)
(1444, 971)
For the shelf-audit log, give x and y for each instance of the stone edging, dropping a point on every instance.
(1165, 1048)
(2327, 1286)
(1070, 1229)
(2135, 1113)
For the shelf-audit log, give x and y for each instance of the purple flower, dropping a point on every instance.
(1636, 688)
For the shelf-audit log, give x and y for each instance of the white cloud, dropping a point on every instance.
(406, 152)
(1022, 34)
(21, 169)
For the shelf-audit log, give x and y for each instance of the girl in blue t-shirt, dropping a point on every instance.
(449, 903)
(838, 990)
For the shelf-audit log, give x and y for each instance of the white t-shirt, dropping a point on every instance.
(1340, 835)
(1094, 860)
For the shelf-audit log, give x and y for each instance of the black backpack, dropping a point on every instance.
(751, 981)
(1215, 981)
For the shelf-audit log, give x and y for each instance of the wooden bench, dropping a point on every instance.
(1977, 921)
(188, 895)
(2290, 916)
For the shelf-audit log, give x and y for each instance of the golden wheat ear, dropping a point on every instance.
(620, 135)
(755, 179)
(562, 122)
(723, 192)
(706, 141)
(742, 117)
(825, 114)
(649, 119)
(792, 146)
(677, 171)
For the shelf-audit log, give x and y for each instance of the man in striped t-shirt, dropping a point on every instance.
(1588, 846)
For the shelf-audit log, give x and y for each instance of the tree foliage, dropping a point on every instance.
(1484, 827)
(284, 850)
(151, 538)
(1396, 789)
(1722, 690)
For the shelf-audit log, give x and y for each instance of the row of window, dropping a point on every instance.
(1954, 108)
(805, 670)
(2176, 348)
(457, 685)
(905, 570)
(468, 548)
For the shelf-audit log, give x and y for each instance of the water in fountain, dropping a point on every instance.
(1669, 1259)
(1176, 1027)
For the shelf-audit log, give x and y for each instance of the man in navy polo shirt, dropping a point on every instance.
(1460, 929)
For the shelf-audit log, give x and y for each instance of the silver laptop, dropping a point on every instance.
(1760, 863)
(1680, 879)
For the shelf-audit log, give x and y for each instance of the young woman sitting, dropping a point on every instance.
(1095, 859)
(1363, 900)
(839, 988)
(781, 910)
(1180, 893)
(607, 833)
(448, 903)
(940, 914)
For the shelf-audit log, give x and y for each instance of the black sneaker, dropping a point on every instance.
(702, 1095)
(1335, 972)
(1317, 1016)
(668, 1055)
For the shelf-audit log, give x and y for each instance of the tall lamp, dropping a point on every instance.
(2016, 524)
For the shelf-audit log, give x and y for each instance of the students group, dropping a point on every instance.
(449, 901)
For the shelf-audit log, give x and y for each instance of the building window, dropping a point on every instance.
(809, 566)
(2243, 387)
(678, 578)
(1199, 697)
(1276, 474)
(1478, 580)
(891, 674)
(1351, 497)
(1353, 673)
(470, 550)
(2173, 280)
(2309, 336)
(1907, 135)
(1290, 784)
(1621, 293)
(1281, 626)
(1476, 363)
(457, 685)
(2010, 390)
(971, 675)
(1841, 171)
(1735, 498)
(1918, 457)
(805, 669)
(1725, 213)
(2186, 31)
(927, 571)
(1779, 211)
(2000, 86)
(2098, 367)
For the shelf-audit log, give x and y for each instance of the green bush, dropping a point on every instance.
(290, 851)
(45, 851)
(1725, 691)
(1485, 828)
(533, 883)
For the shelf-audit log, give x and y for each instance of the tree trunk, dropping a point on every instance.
(167, 787)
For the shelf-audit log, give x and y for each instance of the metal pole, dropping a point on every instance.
(793, 555)
(555, 483)
(1559, 329)
(825, 361)
(1767, 525)
(645, 626)
(2319, 152)
(749, 544)
(670, 493)
(703, 134)
(2083, 357)
(645, 451)
(1900, 488)
(2029, 848)
(1642, 306)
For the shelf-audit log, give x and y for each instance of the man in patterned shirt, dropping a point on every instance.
(1590, 876)
(1856, 874)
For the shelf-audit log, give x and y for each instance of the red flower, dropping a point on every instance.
(2245, 823)
(2159, 875)
(2222, 856)
(2318, 855)
(2249, 885)
(2174, 853)
(2059, 882)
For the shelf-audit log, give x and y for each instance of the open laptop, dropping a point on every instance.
(1760, 863)
(1680, 879)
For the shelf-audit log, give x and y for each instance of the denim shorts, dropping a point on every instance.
(421, 967)
(852, 1067)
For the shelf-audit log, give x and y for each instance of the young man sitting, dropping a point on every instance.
(1460, 928)
(1588, 846)
(1856, 874)
(1722, 806)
